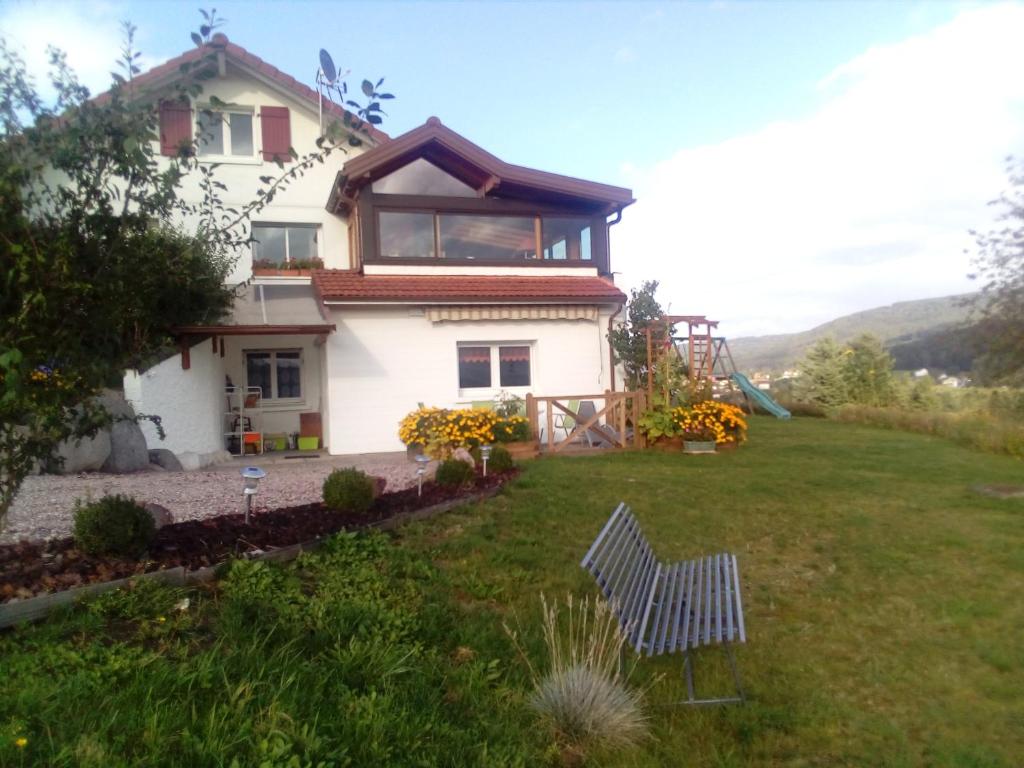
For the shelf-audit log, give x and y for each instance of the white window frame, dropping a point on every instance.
(256, 158)
(317, 231)
(496, 386)
(274, 399)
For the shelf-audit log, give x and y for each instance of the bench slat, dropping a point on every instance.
(651, 592)
(727, 582)
(600, 537)
(718, 598)
(668, 599)
(739, 601)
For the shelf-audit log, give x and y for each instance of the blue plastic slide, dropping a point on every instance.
(760, 398)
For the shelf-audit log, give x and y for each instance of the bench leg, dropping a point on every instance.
(691, 698)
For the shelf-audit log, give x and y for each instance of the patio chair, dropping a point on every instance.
(596, 436)
(668, 607)
(562, 420)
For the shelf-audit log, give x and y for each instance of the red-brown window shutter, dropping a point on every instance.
(277, 133)
(175, 126)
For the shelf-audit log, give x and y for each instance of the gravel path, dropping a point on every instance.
(45, 504)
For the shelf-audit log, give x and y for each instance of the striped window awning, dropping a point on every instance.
(480, 313)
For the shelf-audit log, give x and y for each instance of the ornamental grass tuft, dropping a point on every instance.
(584, 695)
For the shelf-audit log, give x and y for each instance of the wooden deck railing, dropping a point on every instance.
(613, 423)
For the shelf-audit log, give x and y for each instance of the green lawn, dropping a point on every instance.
(883, 597)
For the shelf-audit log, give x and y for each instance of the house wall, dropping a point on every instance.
(382, 362)
(283, 417)
(303, 202)
(189, 402)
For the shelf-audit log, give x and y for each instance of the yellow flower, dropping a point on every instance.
(21, 742)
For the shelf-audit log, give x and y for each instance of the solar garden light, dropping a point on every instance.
(485, 454)
(421, 469)
(252, 477)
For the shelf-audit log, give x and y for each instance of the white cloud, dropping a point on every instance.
(865, 202)
(89, 33)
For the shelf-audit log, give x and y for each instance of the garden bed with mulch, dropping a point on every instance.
(29, 569)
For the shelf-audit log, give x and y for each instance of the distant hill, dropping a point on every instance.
(914, 326)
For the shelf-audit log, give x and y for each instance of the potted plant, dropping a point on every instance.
(512, 428)
(709, 424)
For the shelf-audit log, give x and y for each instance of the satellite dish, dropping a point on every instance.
(327, 67)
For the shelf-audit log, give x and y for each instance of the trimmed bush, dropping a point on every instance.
(500, 459)
(114, 525)
(348, 490)
(454, 472)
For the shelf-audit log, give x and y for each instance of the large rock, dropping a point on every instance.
(161, 515)
(461, 454)
(128, 449)
(191, 460)
(166, 459)
(85, 455)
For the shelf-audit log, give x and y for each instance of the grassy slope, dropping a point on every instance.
(903, 319)
(883, 611)
(882, 595)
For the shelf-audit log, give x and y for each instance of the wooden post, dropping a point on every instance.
(622, 419)
(551, 422)
(186, 361)
(650, 364)
(531, 416)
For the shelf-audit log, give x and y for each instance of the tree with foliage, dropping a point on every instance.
(821, 379)
(867, 372)
(97, 263)
(999, 262)
(629, 339)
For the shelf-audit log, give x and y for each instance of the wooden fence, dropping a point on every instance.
(613, 423)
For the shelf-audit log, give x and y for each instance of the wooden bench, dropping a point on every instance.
(662, 607)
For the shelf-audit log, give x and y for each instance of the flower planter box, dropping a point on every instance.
(671, 444)
(524, 449)
(698, 446)
(267, 272)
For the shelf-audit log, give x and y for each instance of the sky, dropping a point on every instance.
(792, 162)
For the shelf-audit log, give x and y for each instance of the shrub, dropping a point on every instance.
(114, 525)
(454, 472)
(584, 695)
(500, 459)
(348, 490)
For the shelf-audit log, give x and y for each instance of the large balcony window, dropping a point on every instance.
(483, 237)
(487, 238)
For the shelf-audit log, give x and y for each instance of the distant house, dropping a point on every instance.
(920, 373)
(449, 276)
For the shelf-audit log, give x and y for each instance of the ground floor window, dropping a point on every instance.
(278, 373)
(487, 365)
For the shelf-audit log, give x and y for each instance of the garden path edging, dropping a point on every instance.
(36, 608)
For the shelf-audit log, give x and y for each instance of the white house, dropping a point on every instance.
(448, 276)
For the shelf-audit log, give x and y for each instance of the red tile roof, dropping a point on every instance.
(171, 68)
(345, 285)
